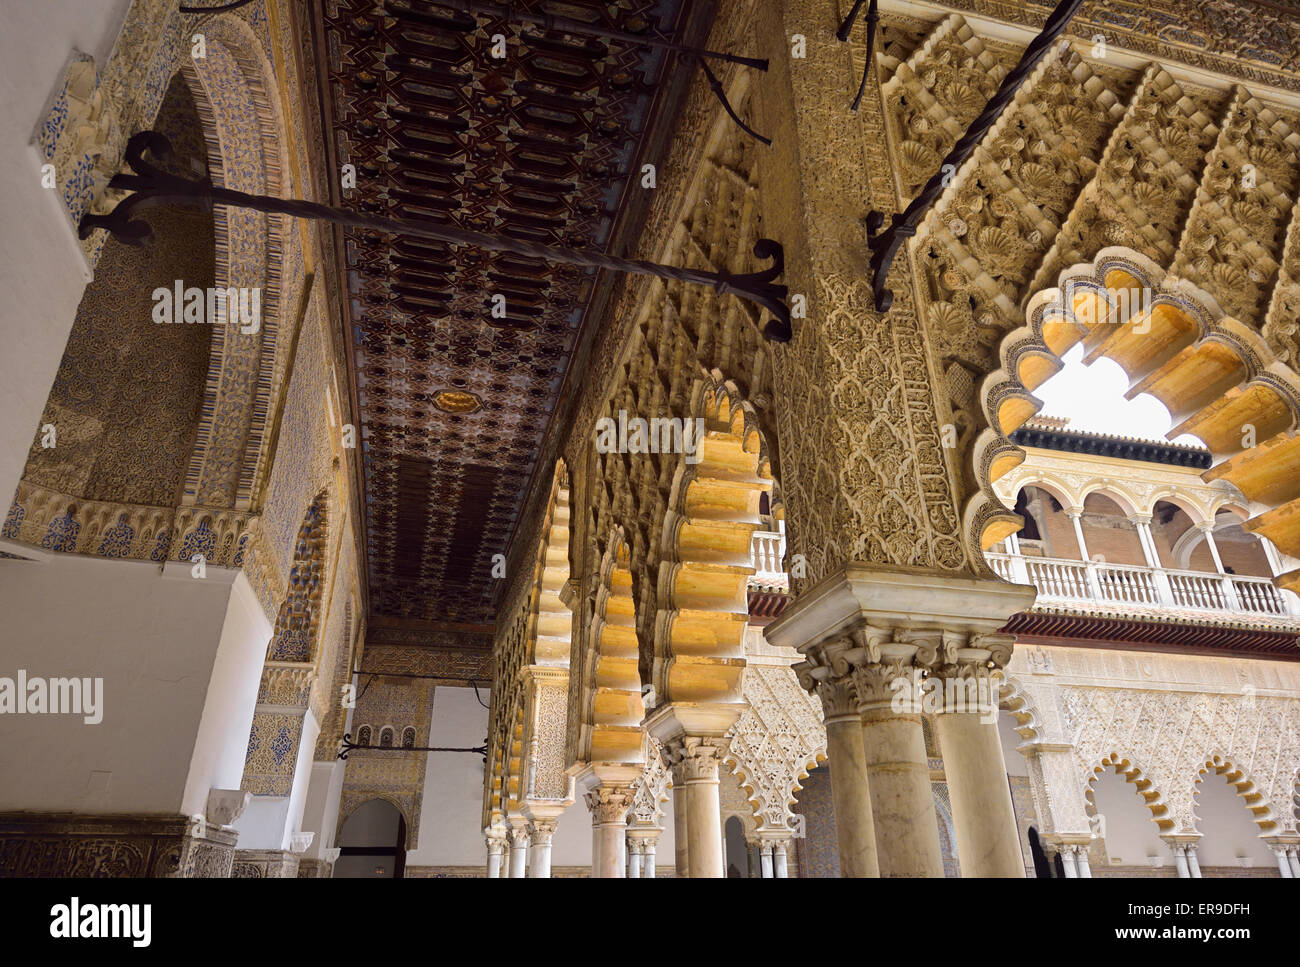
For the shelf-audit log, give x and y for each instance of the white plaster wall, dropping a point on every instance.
(321, 812)
(180, 658)
(42, 271)
(219, 750)
(451, 832)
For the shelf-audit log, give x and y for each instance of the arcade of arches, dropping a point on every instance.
(357, 586)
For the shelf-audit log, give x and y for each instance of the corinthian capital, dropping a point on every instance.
(839, 698)
(695, 759)
(609, 804)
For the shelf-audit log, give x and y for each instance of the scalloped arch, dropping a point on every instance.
(1216, 376)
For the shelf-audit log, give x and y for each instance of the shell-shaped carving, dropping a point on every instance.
(1266, 154)
(1177, 140)
(1075, 118)
(946, 317)
(1037, 178)
(994, 243)
(918, 158)
(962, 99)
(1252, 215)
(1150, 197)
(1229, 277)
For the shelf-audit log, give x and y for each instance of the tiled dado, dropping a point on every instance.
(66, 844)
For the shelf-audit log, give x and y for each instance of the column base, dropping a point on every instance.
(123, 846)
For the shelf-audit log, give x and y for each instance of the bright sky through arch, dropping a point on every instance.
(1093, 399)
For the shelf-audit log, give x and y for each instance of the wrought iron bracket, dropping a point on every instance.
(884, 245)
(151, 187)
(347, 746)
(873, 18)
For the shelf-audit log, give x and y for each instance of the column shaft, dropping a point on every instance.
(648, 864)
(988, 839)
(855, 831)
(704, 825)
(681, 845)
(779, 854)
(902, 805)
(1293, 858)
(765, 860)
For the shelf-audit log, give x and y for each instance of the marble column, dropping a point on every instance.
(765, 860)
(1193, 862)
(1180, 860)
(855, 831)
(518, 847)
(633, 858)
(1085, 867)
(609, 806)
(984, 819)
(699, 767)
(780, 852)
(648, 861)
(681, 848)
(898, 771)
(884, 626)
(1293, 859)
(494, 837)
(693, 739)
(539, 859)
(1068, 854)
(1283, 865)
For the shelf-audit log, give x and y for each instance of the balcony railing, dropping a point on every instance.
(768, 550)
(1128, 586)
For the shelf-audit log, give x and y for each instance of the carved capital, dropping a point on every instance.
(540, 831)
(839, 698)
(609, 804)
(495, 838)
(695, 759)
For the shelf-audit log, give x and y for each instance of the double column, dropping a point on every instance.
(693, 741)
(609, 804)
(889, 645)
(773, 854)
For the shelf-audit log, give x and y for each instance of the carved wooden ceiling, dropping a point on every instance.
(455, 402)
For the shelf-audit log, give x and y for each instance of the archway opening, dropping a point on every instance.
(1230, 840)
(372, 843)
(128, 394)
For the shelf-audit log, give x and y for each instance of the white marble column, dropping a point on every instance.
(780, 850)
(1068, 854)
(984, 819)
(898, 772)
(1085, 867)
(1293, 859)
(681, 846)
(494, 837)
(539, 859)
(699, 768)
(1180, 860)
(609, 806)
(1283, 865)
(518, 847)
(855, 831)
(648, 860)
(634, 856)
(765, 860)
(1193, 863)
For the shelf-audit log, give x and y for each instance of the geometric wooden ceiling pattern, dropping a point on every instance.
(454, 399)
